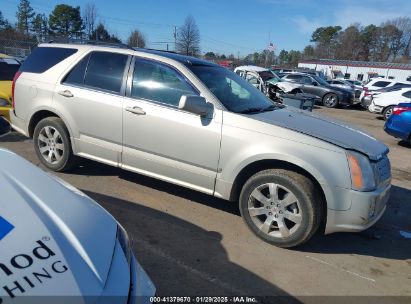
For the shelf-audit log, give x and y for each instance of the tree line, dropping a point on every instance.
(71, 22)
(388, 42)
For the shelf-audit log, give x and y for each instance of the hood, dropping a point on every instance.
(60, 239)
(326, 129)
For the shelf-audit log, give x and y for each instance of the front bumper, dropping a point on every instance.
(366, 209)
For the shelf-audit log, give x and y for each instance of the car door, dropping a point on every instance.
(311, 86)
(89, 98)
(159, 139)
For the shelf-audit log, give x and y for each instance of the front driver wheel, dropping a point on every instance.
(52, 144)
(281, 207)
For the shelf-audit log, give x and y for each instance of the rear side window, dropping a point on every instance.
(44, 58)
(8, 68)
(105, 71)
(76, 75)
(381, 84)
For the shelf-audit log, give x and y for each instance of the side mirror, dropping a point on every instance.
(315, 83)
(195, 104)
(4, 126)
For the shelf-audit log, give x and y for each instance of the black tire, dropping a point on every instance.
(67, 159)
(330, 104)
(387, 112)
(310, 206)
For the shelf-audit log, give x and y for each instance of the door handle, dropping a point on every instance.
(136, 110)
(66, 93)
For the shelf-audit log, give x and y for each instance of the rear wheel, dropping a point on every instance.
(281, 207)
(52, 144)
(330, 100)
(387, 112)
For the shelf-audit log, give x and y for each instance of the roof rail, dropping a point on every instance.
(92, 42)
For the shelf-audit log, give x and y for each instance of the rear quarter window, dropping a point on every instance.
(44, 58)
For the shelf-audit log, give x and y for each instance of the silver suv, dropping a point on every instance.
(196, 124)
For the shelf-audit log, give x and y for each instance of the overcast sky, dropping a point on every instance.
(231, 26)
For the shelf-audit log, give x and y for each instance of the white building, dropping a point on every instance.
(358, 70)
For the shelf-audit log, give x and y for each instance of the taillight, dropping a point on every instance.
(399, 110)
(16, 76)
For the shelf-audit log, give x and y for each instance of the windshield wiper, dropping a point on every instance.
(257, 110)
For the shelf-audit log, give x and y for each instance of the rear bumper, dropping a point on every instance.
(396, 127)
(366, 209)
(373, 108)
(18, 124)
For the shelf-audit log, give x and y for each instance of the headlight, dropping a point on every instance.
(4, 103)
(123, 239)
(362, 174)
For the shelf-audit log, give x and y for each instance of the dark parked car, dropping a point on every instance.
(330, 96)
(399, 123)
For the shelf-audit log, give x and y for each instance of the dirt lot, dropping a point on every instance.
(193, 244)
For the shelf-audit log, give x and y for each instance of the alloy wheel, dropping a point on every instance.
(50, 144)
(275, 210)
(330, 100)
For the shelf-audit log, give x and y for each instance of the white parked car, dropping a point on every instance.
(380, 83)
(56, 241)
(384, 103)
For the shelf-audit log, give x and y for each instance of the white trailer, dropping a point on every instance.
(358, 70)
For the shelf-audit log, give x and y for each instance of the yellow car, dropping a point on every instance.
(8, 68)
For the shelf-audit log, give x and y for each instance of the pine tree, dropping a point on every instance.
(25, 14)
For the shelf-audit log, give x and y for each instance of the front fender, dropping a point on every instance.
(327, 163)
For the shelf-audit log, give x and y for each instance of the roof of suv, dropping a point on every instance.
(186, 60)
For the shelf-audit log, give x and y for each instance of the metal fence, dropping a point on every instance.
(17, 48)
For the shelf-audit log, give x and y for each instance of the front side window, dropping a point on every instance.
(105, 71)
(158, 82)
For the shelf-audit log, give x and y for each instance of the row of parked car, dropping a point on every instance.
(182, 120)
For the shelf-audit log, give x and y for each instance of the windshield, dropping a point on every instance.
(267, 75)
(235, 93)
(320, 80)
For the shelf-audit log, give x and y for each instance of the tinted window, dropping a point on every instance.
(381, 84)
(307, 80)
(8, 69)
(360, 77)
(407, 94)
(157, 82)
(294, 77)
(76, 75)
(105, 71)
(44, 58)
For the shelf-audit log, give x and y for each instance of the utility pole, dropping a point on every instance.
(175, 38)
